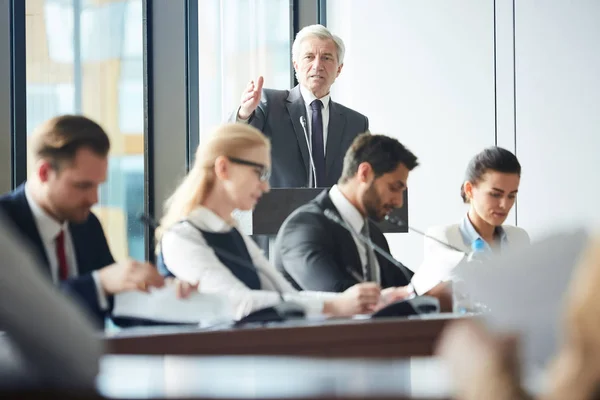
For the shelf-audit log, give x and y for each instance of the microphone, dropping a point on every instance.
(334, 217)
(281, 312)
(412, 305)
(312, 162)
(397, 221)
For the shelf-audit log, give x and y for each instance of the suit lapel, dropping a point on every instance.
(335, 133)
(355, 267)
(296, 109)
(28, 226)
(79, 245)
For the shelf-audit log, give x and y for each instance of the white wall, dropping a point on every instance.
(432, 74)
(558, 113)
(423, 72)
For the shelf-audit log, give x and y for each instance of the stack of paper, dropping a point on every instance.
(163, 305)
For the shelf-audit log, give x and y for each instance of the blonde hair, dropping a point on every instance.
(229, 140)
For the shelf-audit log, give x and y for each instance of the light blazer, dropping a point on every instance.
(91, 249)
(433, 268)
(278, 117)
(315, 253)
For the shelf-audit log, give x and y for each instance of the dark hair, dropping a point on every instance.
(58, 139)
(493, 158)
(383, 153)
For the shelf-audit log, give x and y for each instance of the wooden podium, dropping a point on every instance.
(274, 207)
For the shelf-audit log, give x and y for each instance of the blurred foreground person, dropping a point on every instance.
(485, 366)
(53, 341)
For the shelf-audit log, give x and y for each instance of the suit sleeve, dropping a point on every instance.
(306, 250)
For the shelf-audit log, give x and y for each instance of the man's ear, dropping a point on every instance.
(339, 70)
(44, 170)
(364, 172)
(222, 168)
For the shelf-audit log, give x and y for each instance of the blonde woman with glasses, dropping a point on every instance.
(231, 172)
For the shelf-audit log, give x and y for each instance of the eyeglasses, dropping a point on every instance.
(261, 170)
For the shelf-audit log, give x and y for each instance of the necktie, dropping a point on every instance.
(371, 270)
(61, 256)
(317, 142)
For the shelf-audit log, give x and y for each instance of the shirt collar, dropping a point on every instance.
(469, 233)
(48, 227)
(206, 219)
(347, 211)
(309, 97)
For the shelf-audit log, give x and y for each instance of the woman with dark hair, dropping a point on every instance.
(490, 188)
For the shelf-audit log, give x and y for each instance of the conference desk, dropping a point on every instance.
(381, 338)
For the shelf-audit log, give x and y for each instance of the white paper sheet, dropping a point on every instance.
(436, 267)
(163, 305)
(525, 291)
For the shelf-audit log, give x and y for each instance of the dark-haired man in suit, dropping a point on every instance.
(52, 210)
(316, 253)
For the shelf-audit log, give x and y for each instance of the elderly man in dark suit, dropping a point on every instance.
(316, 253)
(309, 132)
(52, 211)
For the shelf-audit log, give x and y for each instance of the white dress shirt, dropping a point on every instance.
(48, 229)
(354, 218)
(54, 337)
(189, 257)
(308, 98)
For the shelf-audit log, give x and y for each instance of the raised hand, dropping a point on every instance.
(250, 98)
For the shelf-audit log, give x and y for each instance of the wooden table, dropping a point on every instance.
(382, 338)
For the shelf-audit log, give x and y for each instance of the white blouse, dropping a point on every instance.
(189, 257)
(439, 260)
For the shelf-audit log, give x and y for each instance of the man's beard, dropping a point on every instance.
(372, 203)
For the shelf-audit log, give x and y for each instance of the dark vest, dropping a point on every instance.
(236, 256)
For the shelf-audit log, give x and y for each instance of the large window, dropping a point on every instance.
(238, 41)
(85, 57)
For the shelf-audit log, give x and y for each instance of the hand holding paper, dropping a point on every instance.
(163, 304)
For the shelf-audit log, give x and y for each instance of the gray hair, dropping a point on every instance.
(320, 32)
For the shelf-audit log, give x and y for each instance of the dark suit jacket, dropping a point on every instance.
(91, 249)
(315, 253)
(278, 117)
